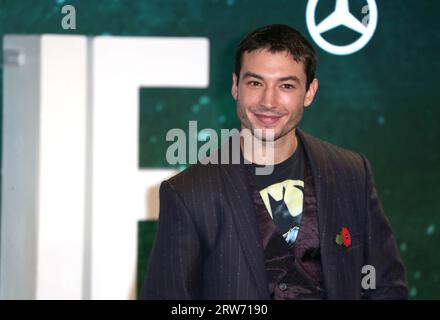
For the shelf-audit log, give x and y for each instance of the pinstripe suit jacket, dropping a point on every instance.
(208, 244)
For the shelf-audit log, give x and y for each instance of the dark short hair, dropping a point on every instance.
(279, 38)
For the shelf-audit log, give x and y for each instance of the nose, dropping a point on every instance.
(268, 98)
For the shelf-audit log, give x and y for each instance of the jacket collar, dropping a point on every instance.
(239, 197)
(326, 194)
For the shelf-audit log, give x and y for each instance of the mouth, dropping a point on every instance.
(267, 119)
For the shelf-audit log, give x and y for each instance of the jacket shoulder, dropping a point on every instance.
(196, 181)
(336, 156)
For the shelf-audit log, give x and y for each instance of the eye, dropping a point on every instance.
(287, 86)
(254, 83)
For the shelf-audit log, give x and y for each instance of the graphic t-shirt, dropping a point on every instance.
(283, 194)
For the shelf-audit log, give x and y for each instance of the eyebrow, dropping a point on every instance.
(254, 75)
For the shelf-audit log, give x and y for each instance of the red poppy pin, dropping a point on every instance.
(344, 237)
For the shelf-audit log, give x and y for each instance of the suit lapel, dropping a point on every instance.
(239, 197)
(326, 193)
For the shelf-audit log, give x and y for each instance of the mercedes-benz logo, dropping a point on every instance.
(341, 16)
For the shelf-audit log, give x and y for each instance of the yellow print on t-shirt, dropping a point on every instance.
(293, 195)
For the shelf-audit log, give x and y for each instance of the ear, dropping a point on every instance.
(234, 89)
(310, 94)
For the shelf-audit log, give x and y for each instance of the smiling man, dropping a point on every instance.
(312, 229)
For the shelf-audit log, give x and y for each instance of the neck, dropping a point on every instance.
(270, 153)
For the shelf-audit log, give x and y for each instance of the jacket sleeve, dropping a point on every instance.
(174, 264)
(381, 249)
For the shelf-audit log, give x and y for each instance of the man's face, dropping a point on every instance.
(271, 92)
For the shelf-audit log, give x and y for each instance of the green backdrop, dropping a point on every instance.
(382, 101)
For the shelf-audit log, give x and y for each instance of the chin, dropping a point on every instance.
(265, 134)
